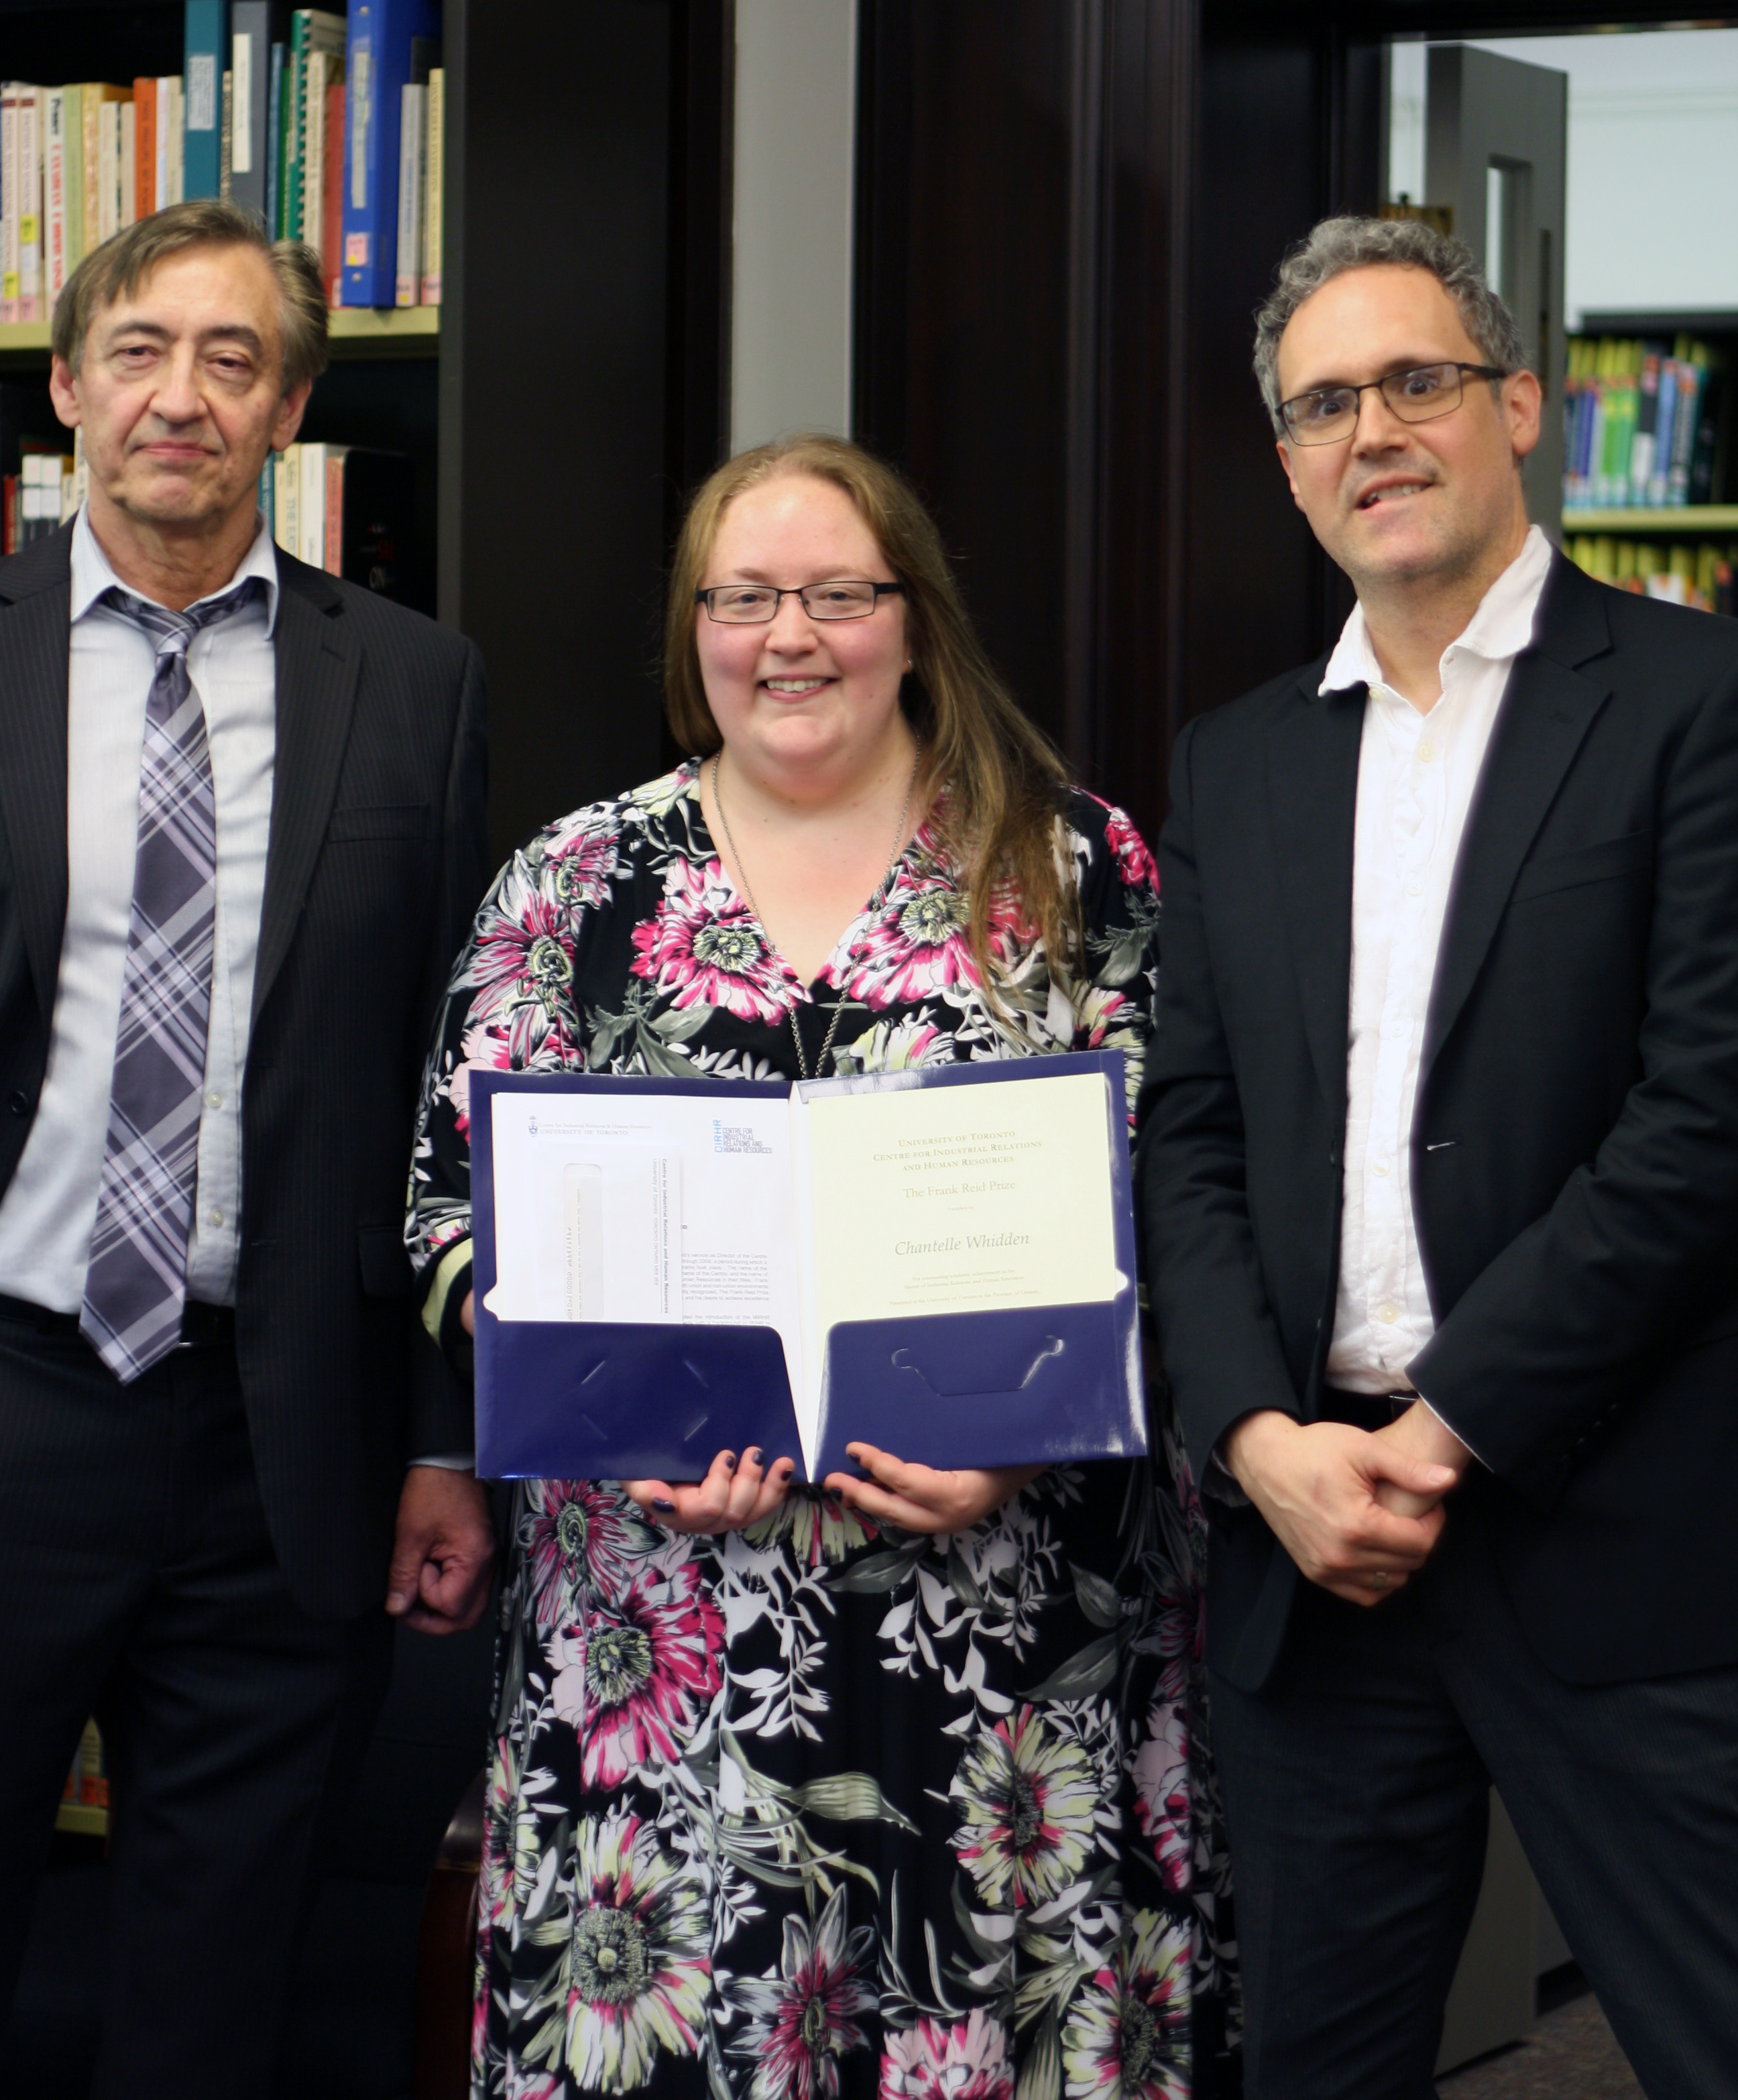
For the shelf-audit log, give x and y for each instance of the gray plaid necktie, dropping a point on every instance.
(137, 1283)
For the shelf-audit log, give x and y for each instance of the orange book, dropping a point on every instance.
(331, 233)
(335, 509)
(144, 145)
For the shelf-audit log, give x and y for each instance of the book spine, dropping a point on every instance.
(408, 282)
(227, 175)
(1683, 435)
(334, 533)
(286, 117)
(126, 173)
(434, 194)
(9, 202)
(205, 36)
(9, 514)
(289, 527)
(108, 169)
(30, 205)
(311, 529)
(177, 140)
(295, 67)
(313, 130)
(249, 45)
(165, 117)
(274, 169)
(90, 169)
(382, 32)
(1665, 420)
(144, 147)
(1647, 424)
(268, 493)
(54, 174)
(331, 230)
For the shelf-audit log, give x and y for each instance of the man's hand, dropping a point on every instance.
(918, 1499)
(442, 1552)
(734, 1494)
(1320, 1485)
(1425, 1438)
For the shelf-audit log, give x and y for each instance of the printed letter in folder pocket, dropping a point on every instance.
(941, 1263)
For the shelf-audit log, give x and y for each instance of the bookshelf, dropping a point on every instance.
(1687, 518)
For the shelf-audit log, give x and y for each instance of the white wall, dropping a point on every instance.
(790, 286)
(1652, 198)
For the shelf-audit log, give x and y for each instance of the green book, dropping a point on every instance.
(310, 30)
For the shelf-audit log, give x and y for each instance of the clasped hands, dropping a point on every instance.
(1359, 1511)
(739, 1491)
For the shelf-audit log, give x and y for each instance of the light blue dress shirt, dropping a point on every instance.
(49, 1209)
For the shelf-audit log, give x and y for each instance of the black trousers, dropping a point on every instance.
(1356, 1784)
(140, 1585)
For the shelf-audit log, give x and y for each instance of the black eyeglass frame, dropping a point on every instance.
(798, 591)
(1382, 386)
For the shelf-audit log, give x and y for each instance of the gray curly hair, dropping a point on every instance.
(1336, 245)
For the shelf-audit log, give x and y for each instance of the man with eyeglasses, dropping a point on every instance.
(1440, 1169)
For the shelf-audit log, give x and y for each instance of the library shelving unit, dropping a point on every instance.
(569, 388)
(1698, 540)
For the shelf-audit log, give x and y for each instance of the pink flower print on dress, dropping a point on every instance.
(705, 946)
(1161, 1776)
(577, 867)
(933, 2061)
(578, 1535)
(801, 2020)
(1135, 863)
(638, 1673)
(915, 946)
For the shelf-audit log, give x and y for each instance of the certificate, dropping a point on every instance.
(936, 1262)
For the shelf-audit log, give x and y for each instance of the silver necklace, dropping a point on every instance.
(875, 902)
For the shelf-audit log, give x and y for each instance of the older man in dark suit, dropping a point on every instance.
(240, 834)
(1439, 1166)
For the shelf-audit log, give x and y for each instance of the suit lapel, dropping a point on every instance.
(33, 639)
(1546, 713)
(1313, 796)
(318, 663)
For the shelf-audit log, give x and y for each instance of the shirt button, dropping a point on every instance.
(1427, 752)
(1387, 1314)
(214, 1217)
(1380, 1168)
(1413, 889)
(214, 1100)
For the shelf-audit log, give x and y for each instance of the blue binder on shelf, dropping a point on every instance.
(587, 1398)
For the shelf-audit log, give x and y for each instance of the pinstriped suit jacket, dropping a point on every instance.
(376, 856)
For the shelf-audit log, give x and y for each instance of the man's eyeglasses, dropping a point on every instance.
(1329, 415)
(753, 605)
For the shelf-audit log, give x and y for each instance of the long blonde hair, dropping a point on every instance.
(1004, 781)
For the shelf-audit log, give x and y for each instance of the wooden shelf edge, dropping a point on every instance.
(1689, 518)
(352, 332)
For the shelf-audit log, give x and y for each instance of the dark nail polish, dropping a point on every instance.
(660, 1503)
(757, 1457)
(730, 1461)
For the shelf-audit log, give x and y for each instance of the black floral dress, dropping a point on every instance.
(822, 1808)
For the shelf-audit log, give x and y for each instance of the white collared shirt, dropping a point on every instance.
(49, 1209)
(1416, 776)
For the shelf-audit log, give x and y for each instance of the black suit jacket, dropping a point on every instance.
(376, 856)
(1574, 1153)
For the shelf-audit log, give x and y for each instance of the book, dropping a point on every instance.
(286, 509)
(381, 34)
(206, 33)
(108, 169)
(145, 198)
(312, 30)
(311, 504)
(1644, 423)
(332, 219)
(126, 173)
(9, 199)
(434, 202)
(61, 162)
(226, 178)
(274, 141)
(29, 203)
(250, 68)
(93, 100)
(413, 177)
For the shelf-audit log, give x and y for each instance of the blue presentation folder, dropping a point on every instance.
(578, 1400)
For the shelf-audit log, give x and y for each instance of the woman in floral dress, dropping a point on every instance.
(889, 1786)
